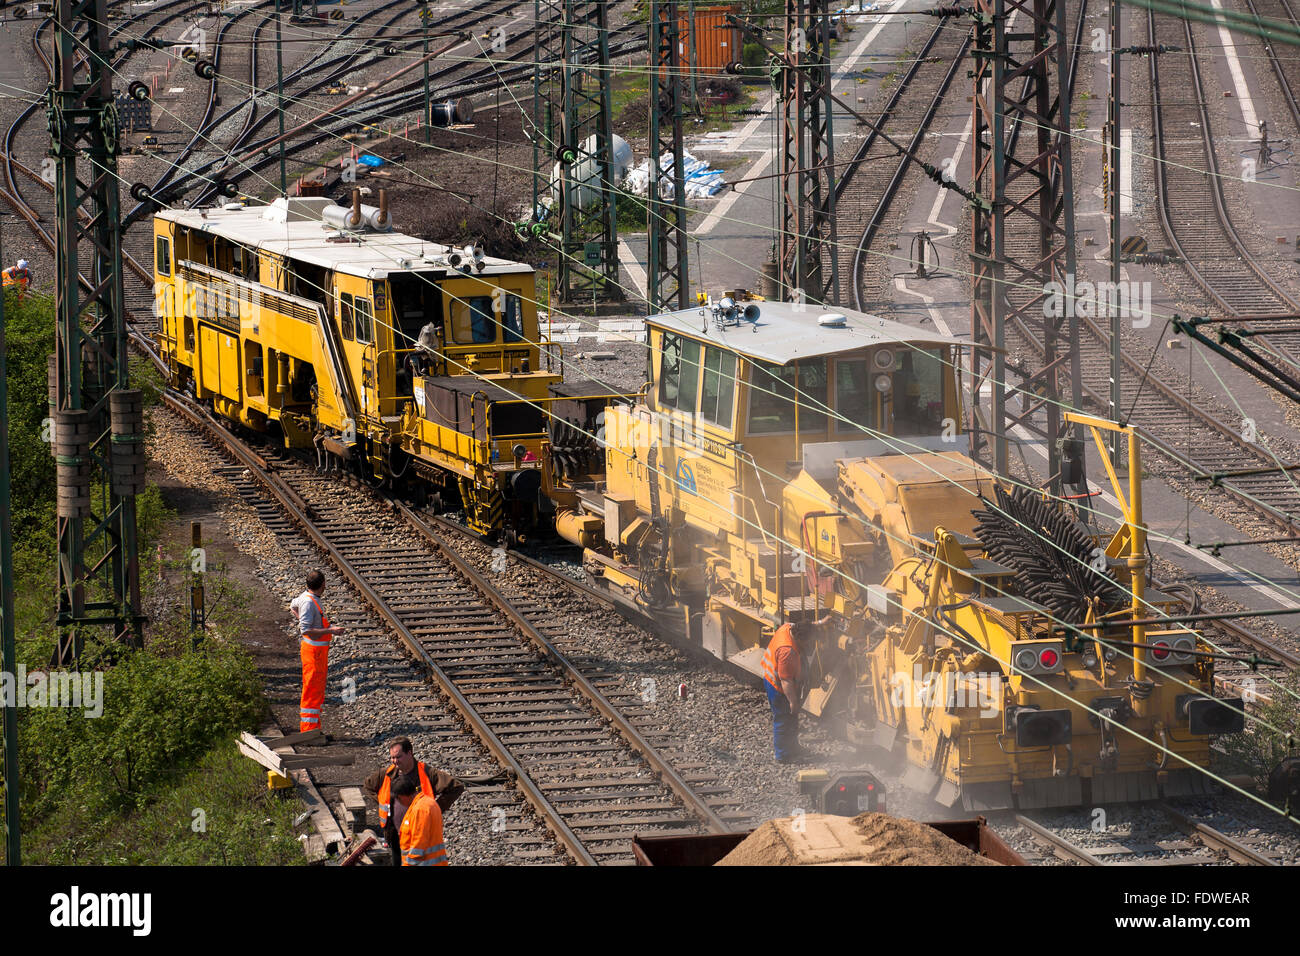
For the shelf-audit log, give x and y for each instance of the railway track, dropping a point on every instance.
(1285, 67)
(1193, 210)
(1208, 846)
(866, 191)
(586, 751)
(1207, 447)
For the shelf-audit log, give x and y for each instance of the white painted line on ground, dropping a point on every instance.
(900, 283)
(942, 195)
(710, 222)
(726, 202)
(1238, 77)
(636, 272)
(861, 48)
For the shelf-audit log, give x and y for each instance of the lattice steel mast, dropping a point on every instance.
(573, 91)
(1023, 233)
(808, 259)
(668, 277)
(97, 426)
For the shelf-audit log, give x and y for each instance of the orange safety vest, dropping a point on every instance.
(421, 833)
(16, 276)
(782, 638)
(385, 790)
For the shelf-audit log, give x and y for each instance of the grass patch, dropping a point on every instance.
(216, 812)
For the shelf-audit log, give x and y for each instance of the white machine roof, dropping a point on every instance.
(786, 331)
(294, 227)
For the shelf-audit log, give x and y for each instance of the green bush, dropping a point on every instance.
(163, 708)
(631, 211)
(29, 335)
(1261, 748)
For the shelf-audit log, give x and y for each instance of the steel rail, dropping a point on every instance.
(249, 101)
(579, 587)
(1059, 845)
(350, 62)
(300, 515)
(905, 166)
(670, 777)
(1215, 183)
(394, 104)
(1182, 406)
(1216, 839)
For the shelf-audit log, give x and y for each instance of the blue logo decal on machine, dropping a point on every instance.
(685, 477)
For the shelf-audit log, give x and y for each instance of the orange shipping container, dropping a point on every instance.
(717, 41)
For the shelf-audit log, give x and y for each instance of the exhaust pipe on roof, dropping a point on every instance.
(355, 219)
(382, 218)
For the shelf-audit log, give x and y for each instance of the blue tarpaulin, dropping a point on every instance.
(367, 160)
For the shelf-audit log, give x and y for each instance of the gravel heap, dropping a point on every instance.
(869, 839)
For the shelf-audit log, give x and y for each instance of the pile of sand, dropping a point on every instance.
(869, 839)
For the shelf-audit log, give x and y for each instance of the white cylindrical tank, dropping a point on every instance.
(371, 216)
(339, 216)
(585, 174)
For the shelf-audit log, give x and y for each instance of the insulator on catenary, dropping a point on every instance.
(72, 462)
(126, 409)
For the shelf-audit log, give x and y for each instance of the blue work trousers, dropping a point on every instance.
(785, 724)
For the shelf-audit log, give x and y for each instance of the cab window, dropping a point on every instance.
(771, 398)
(473, 321)
(679, 373)
(365, 330)
(719, 386)
(855, 397)
(812, 397)
(163, 254)
(513, 320)
(347, 318)
(776, 389)
(918, 391)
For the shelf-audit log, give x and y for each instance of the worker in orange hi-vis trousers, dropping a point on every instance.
(315, 649)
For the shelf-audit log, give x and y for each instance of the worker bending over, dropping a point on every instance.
(17, 277)
(782, 670)
(439, 784)
(421, 830)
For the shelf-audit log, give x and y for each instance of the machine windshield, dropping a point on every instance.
(898, 391)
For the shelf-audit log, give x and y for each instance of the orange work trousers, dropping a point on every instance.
(315, 663)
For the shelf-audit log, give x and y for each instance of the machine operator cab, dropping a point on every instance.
(742, 399)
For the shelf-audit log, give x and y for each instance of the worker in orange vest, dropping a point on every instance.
(421, 830)
(782, 669)
(314, 648)
(17, 277)
(438, 784)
